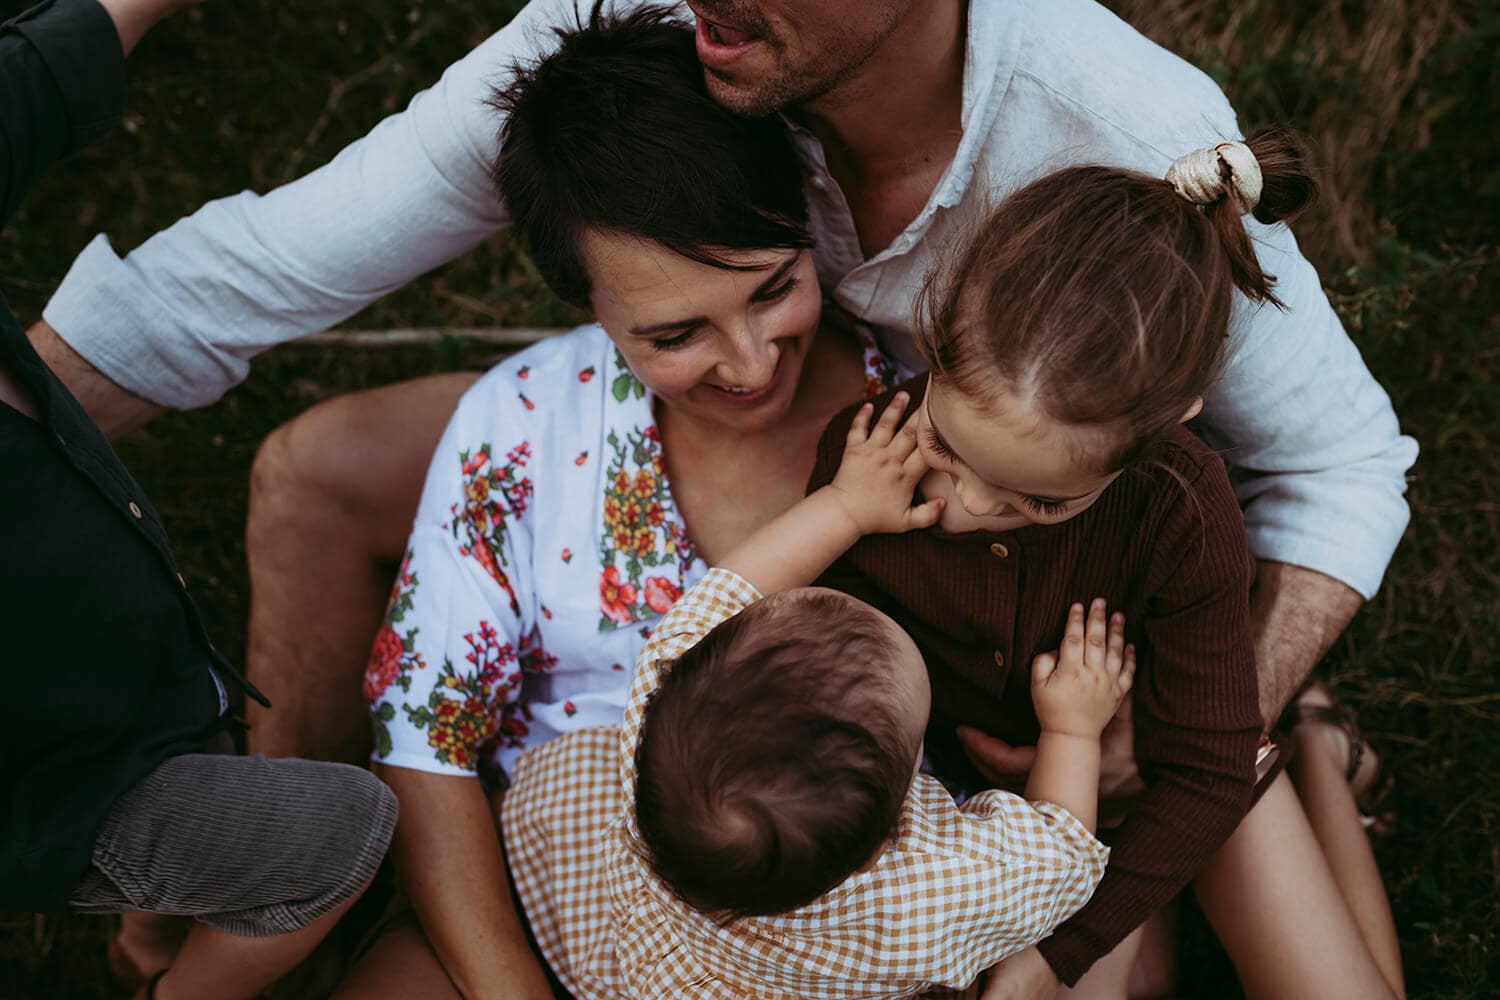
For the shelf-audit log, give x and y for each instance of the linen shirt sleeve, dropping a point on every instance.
(1197, 721)
(1319, 456)
(62, 85)
(178, 320)
(444, 676)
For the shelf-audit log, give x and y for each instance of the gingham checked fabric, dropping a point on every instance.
(957, 890)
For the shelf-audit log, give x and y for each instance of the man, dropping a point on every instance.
(119, 790)
(911, 116)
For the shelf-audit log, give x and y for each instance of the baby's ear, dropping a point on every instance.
(1194, 408)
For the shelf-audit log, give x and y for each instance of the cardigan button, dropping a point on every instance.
(135, 511)
(1000, 550)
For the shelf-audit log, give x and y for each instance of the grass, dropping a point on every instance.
(1400, 97)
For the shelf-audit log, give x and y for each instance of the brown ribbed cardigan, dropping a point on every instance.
(1165, 544)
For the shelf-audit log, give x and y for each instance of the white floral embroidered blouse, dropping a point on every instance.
(545, 549)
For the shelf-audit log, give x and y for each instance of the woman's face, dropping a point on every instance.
(721, 347)
(1004, 464)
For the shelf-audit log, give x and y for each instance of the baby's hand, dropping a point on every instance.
(1077, 689)
(880, 472)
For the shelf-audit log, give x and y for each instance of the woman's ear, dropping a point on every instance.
(1194, 408)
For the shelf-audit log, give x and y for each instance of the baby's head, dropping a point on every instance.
(775, 757)
(1087, 318)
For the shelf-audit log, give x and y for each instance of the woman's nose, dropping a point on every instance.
(750, 362)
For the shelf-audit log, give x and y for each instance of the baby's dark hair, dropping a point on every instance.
(772, 761)
(1104, 295)
(615, 132)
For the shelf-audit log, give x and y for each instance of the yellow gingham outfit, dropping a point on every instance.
(956, 890)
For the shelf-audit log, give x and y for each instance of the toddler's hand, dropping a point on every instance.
(1077, 689)
(880, 472)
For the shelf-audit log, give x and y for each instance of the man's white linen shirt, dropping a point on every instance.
(1320, 458)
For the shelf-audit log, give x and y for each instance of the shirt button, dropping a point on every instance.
(999, 658)
(135, 511)
(819, 184)
(999, 550)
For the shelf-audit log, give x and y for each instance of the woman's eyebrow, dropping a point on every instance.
(673, 324)
(776, 276)
(687, 324)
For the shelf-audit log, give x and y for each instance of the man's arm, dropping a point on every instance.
(1296, 614)
(177, 321)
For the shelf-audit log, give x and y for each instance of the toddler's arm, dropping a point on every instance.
(1076, 692)
(870, 494)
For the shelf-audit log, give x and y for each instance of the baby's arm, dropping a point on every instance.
(1076, 692)
(870, 494)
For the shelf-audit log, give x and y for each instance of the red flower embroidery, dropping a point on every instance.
(570, 709)
(615, 596)
(526, 402)
(476, 462)
(523, 372)
(567, 555)
(385, 663)
(661, 593)
(583, 456)
(586, 374)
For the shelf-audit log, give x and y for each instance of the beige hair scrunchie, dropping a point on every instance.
(1200, 176)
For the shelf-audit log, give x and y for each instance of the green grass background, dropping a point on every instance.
(1401, 99)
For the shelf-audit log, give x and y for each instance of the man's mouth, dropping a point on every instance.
(722, 34)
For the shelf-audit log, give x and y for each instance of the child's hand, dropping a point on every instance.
(880, 472)
(1077, 689)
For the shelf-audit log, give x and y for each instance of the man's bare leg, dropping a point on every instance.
(332, 495)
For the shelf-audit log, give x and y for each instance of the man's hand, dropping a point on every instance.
(1024, 976)
(880, 471)
(117, 411)
(1005, 766)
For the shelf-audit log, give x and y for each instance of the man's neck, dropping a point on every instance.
(904, 106)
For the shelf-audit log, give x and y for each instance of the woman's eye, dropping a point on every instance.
(779, 292)
(1047, 508)
(937, 444)
(668, 343)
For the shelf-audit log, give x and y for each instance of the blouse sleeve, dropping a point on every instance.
(1197, 719)
(444, 676)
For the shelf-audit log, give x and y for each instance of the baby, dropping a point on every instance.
(759, 826)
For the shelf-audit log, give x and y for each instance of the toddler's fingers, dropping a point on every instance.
(890, 419)
(859, 427)
(924, 515)
(1042, 667)
(1094, 634)
(914, 466)
(1072, 644)
(1116, 643)
(1126, 679)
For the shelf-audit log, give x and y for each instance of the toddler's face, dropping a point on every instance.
(1004, 465)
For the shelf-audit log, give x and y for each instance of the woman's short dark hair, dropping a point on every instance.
(616, 132)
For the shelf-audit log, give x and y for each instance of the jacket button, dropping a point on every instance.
(1000, 550)
(135, 511)
(999, 658)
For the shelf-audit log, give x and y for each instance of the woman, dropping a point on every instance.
(583, 484)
